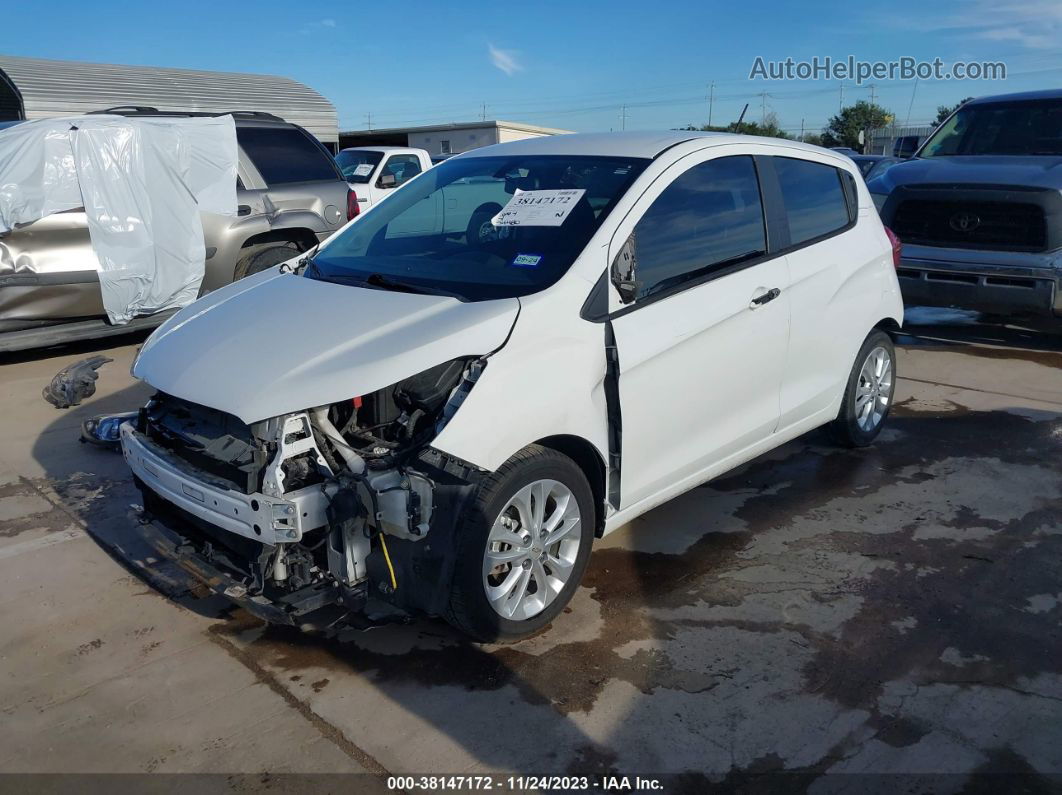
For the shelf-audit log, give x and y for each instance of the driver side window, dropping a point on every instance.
(398, 170)
(709, 218)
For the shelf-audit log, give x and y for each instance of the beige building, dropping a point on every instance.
(447, 139)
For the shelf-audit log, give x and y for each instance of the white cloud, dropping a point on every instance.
(1034, 24)
(317, 27)
(504, 60)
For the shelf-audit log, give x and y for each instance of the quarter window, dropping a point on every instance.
(814, 198)
(709, 219)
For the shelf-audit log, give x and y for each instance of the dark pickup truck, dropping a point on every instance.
(979, 209)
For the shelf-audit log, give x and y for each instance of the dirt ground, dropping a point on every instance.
(819, 612)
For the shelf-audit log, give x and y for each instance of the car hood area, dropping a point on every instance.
(1032, 172)
(276, 343)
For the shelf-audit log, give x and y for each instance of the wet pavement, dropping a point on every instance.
(819, 612)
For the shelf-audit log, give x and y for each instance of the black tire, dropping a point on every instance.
(469, 609)
(846, 429)
(474, 236)
(260, 258)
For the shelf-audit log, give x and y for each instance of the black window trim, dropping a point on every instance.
(595, 308)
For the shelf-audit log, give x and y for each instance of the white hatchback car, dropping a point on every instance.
(445, 421)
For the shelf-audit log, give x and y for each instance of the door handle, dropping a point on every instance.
(766, 298)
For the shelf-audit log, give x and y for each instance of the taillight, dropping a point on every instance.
(897, 247)
(352, 205)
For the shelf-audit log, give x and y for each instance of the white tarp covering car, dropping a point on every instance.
(142, 183)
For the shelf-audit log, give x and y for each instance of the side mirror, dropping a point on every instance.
(387, 181)
(623, 271)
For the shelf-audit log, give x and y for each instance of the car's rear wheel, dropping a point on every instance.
(868, 395)
(522, 547)
(259, 258)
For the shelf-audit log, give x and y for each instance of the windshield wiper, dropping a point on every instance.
(306, 261)
(390, 283)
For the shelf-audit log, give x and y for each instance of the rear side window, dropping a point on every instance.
(814, 198)
(285, 154)
(708, 219)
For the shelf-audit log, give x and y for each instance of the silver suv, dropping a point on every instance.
(290, 196)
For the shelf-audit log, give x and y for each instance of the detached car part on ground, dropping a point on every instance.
(289, 196)
(441, 415)
(979, 209)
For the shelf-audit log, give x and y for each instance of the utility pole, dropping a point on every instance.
(872, 88)
(711, 101)
(368, 118)
(911, 103)
(763, 108)
(623, 117)
(801, 131)
(840, 105)
(483, 112)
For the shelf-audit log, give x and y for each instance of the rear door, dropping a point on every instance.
(835, 284)
(702, 346)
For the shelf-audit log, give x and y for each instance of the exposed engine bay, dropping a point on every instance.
(315, 509)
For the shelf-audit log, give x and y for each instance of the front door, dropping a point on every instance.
(702, 346)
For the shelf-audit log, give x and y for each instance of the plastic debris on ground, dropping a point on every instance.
(74, 383)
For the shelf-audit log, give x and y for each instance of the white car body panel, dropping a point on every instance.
(546, 381)
(284, 343)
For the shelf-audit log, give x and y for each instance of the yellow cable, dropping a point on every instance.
(387, 557)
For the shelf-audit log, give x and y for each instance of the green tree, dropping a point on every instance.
(943, 111)
(844, 128)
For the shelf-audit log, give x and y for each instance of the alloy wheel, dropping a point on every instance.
(531, 549)
(874, 390)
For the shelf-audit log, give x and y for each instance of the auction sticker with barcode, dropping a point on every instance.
(538, 207)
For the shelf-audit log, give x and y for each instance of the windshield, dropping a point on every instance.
(358, 165)
(437, 233)
(1005, 128)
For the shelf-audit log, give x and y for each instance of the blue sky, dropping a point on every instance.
(561, 64)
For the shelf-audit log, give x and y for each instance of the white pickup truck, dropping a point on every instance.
(375, 171)
(466, 205)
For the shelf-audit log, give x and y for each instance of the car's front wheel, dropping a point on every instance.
(868, 395)
(522, 547)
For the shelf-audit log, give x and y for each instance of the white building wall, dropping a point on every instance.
(506, 134)
(460, 140)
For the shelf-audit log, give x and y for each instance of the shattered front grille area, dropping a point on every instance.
(210, 440)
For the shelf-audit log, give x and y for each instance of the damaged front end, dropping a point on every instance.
(306, 517)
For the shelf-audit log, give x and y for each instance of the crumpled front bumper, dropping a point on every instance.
(269, 520)
(171, 546)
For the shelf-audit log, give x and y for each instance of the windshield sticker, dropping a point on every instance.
(538, 207)
(526, 260)
(363, 170)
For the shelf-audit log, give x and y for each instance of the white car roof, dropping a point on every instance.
(622, 144)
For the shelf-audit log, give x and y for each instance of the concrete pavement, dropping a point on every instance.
(820, 612)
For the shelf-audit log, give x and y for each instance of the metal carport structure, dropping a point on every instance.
(34, 88)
